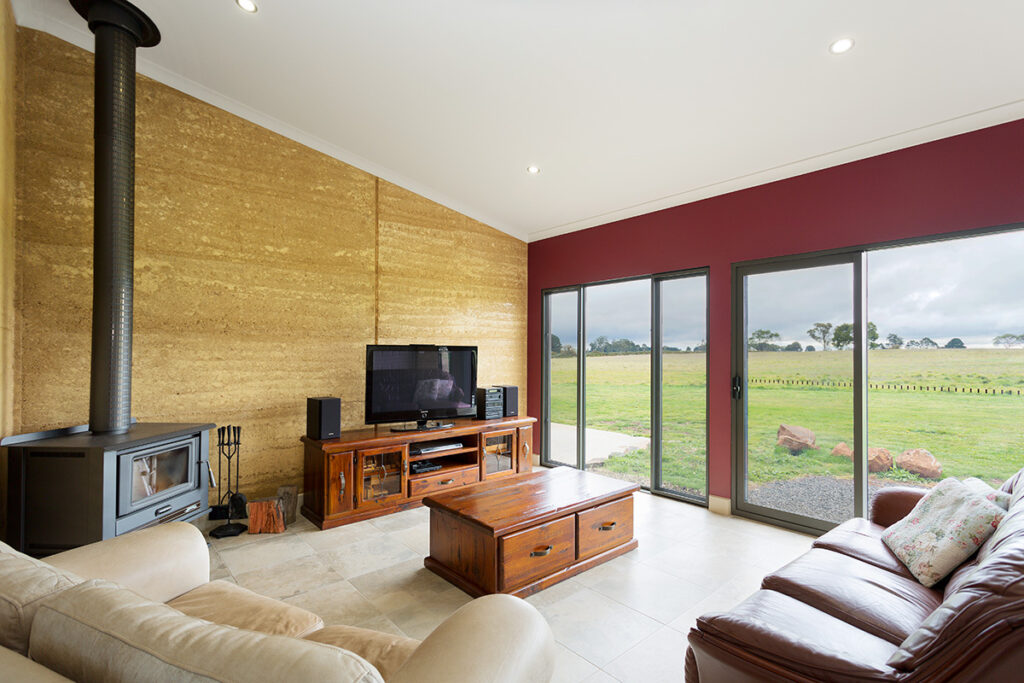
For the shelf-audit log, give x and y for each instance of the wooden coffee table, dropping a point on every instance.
(522, 534)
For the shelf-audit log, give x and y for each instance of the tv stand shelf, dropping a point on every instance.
(445, 469)
(365, 473)
(440, 454)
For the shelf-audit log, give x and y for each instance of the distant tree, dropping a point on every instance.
(809, 347)
(689, 349)
(670, 349)
(927, 343)
(873, 336)
(913, 344)
(894, 341)
(702, 347)
(795, 346)
(955, 343)
(599, 344)
(821, 332)
(842, 336)
(1009, 340)
(556, 344)
(761, 340)
(569, 350)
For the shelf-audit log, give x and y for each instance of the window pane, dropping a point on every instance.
(946, 372)
(684, 385)
(800, 405)
(563, 309)
(618, 380)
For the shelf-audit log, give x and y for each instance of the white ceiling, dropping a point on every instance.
(627, 106)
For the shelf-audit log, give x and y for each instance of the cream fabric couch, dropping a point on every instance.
(141, 607)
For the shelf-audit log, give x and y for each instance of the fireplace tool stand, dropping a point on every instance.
(228, 441)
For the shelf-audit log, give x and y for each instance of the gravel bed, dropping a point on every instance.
(825, 498)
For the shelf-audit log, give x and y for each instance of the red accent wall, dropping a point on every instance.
(964, 182)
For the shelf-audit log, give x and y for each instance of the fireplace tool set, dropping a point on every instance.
(231, 503)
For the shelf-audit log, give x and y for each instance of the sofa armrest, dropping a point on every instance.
(159, 563)
(496, 638)
(893, 503)
(17, 667)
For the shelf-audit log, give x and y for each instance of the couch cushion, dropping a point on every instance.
(24, 582)
(385, 651)
(863, 595)
(945, 528)
(1010, 485)
(98, 631)
(795, 635)
(862, 539)
(223, 602)
(989, 600)
(159, 563)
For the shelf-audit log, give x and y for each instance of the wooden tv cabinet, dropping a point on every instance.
(367, 473)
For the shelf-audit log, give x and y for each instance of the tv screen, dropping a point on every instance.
(418, 382)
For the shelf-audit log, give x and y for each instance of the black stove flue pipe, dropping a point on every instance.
(120, 28)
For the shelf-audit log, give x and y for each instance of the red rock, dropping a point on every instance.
(920, 462)
(795, 438)
(843, 451)
(879, 460)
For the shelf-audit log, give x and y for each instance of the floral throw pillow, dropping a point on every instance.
(1000, 498)
(945, 528)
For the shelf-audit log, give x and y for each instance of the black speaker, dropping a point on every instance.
(511, 400)
(323, 417)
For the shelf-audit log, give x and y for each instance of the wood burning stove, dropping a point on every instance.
(71, 487)
(83, 484)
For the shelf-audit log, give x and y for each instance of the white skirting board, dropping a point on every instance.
(719, 505)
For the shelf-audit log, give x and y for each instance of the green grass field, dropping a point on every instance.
(970, 434)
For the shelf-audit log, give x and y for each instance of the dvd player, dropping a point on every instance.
(435, 447)
(421, 466)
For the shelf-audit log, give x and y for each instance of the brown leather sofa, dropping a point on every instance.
(849, 610)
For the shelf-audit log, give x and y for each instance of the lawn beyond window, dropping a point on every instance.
(970, 434)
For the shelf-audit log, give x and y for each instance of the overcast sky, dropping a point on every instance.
(970, 288)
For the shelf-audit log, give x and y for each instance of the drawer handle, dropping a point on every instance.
(607, 527)
(447, 481)
(541, 553)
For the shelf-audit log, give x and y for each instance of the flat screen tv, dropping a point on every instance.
(419, 383)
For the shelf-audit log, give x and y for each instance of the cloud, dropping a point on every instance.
(969, 288)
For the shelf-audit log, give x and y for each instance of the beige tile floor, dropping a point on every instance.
(625, 620)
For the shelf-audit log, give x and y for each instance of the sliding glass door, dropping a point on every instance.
(893, 366)
(618, 380)
(680, 370)
(561, 373)
(795, 389)
(946, 364)
(627, 396)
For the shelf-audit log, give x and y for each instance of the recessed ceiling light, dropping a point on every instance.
(533, 170)
(247, 5)
(840, 46)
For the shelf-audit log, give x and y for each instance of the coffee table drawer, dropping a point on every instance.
(442, 482)
(536, 552)
(604, 527)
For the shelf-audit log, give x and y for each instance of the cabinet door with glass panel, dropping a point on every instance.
(381, 475)
(498, 451)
